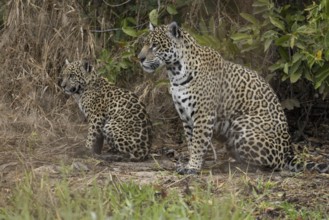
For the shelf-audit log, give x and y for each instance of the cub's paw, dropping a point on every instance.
(186, 171)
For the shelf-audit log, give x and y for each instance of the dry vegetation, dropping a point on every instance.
(34, 42)
(39, 125)
(42, 131)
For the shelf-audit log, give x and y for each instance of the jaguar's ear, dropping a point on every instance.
(174, 30)
(87, 66)
(67, 62)
(151, 27)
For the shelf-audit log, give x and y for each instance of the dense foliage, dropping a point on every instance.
(294, 34)
(300, 35)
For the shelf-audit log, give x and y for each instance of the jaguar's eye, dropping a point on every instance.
(153, 47)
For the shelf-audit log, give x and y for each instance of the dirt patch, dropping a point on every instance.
(303, 190)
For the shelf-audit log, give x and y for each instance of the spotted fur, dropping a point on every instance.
(113, 114)
(211, 93)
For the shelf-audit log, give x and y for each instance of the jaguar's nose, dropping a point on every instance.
(141, 58)
(73, 90)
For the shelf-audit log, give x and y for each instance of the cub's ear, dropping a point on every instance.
(87, 66)
(174, 30)
(151, 27)
(67, 62)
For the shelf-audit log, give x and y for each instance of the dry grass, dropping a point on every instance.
(39, 125)
(37, 122)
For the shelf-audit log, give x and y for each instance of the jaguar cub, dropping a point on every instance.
(113, 114)
(211, 93)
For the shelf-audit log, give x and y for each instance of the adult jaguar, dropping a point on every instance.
(212, 93)
(113, 114)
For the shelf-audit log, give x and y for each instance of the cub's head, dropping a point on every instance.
(73, 77)
(162, 46)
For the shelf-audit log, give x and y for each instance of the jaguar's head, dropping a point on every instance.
(73, 77)
(161, 47)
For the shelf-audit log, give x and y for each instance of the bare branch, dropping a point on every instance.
(118, 5)
(116, 29)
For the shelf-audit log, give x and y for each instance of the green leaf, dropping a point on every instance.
(286, 68)
(153, 16)
(292, 41)
(127, 54)
(249, 48)
(296, 57)
(267, 44)
(212, 25)
(270, 34)
(123, 64)
(326, 37)
(317, 84)
(130, 31)
(276, 66)
(323, 90)
(295, 76)
(284, 54)
(261, 3)
(294, 26)
(277, 23)
(283, 41)
(284, 77)
(260, 10)
(308, 76)
(326, 54)
(294, 67)
(325, 3)
(203, 26)
(246, 28)
(131, 20)
(321, 76)
(310, 59)
(250, 41)
(306, 29)
(171, 10)
(250, 18)
(300, 45)
(240, 36)
(290, 104)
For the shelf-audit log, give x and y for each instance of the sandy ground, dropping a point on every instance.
(304, 190)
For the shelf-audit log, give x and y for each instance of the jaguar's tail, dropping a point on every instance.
(296, 164)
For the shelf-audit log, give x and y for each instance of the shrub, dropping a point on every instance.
(299, 34)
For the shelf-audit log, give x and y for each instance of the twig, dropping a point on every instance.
(159, 5)
(106, 30)
(116, 29)
(302, 125)
(178, 181)
(118, 5)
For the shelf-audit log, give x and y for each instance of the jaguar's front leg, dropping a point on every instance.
(95, 137)
(188, 134)
(201, 140)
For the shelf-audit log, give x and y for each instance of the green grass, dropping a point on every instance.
(42, 198)
(69, 196)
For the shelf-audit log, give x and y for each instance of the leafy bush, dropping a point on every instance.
(299, 34)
